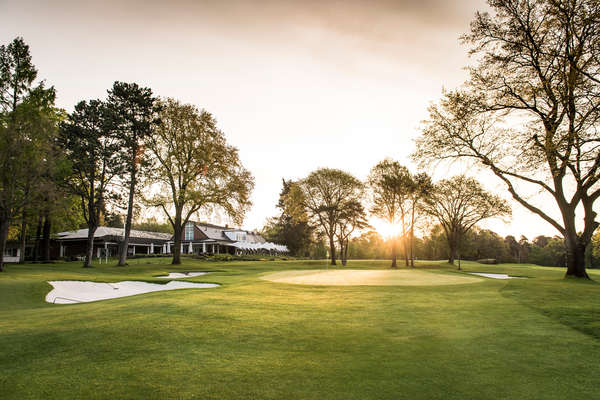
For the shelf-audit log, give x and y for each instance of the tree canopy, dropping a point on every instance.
(458, 204)
(135, 109)
(91, 144)
(28, 123)
(391, 187)
(530, 109)
(194, 169)
(327, 193)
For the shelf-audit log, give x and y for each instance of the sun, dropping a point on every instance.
(386, 229)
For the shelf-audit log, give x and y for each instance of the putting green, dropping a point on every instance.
(354, 277)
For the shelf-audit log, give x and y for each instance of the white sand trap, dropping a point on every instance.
(177, 275)
(497, 276)
(353, 277)
(67, 292)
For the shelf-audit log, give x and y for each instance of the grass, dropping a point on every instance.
(355, 277)
(536, 338)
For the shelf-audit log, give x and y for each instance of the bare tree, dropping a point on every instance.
(459, 204)
(530, 111)
(391, 187)
(421, 188)
(352, 218)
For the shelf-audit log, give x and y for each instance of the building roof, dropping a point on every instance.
(216, 232)
(106, 232)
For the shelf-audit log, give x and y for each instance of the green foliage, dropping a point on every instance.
(396, 197)
(17, 74)
(368, 246)
(135, 110)
(29, 161)
(92, 145)
(549, 251)
(194, 169)
(326, 194)
(291, 227)
(153, 225)
(458, 204)
(390, 187)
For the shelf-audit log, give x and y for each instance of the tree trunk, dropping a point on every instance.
(46, 238)
(22, 237)
(341, 243)
(588, 255)
(405, 245)
(346, 252)
(412, 237)
(90, 247)
(177, 233)
(452, 253)
(128, 220)
(332, 250)
(38, 233)
(4, 224)
(576, 259)
(394, 253)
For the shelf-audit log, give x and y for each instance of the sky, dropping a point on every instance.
(294, 85)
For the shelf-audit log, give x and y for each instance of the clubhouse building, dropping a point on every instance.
(197, 238)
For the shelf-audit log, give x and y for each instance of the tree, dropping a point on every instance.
(391, 187)
(291, 227)
(480, 244)
(37, 121)
(420, 189)
(195, 169)
(458, 204)
(26, 131)
(530, 109)
(352, 217)
(153, 225)
(368, 245)
(90, 143)
(136, 109)
(514, 248)
(17, 74)
(327, 192)
(548, 252)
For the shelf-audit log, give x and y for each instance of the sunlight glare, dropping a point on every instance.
(386, 229)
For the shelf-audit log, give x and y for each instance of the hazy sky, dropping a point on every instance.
(295, 85)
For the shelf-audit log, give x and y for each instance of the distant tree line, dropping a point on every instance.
(326, 213)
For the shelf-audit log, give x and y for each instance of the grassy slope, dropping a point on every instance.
(517, 339)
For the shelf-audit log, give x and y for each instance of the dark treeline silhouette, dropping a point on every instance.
(481, 245)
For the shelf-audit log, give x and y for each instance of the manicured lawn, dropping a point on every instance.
(536, 338)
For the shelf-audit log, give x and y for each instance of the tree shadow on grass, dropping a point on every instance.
(573, 303)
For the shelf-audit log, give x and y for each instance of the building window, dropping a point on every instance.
(189, 231)
(10, 252)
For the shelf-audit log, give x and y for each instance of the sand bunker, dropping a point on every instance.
(68, 292)
(497, 276)
(353, 277)
(176, 275)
